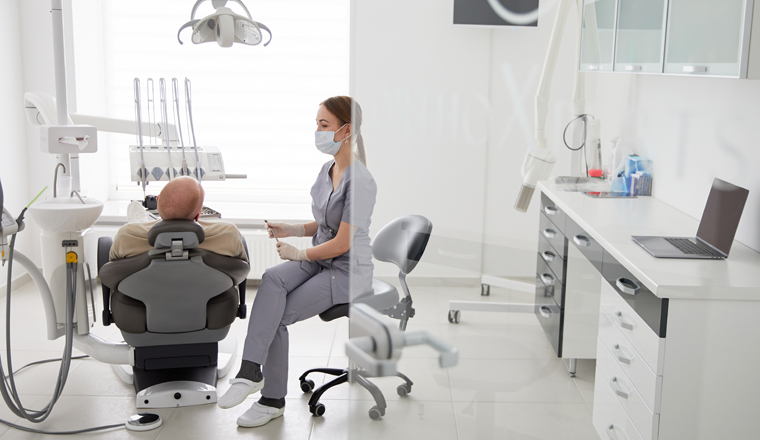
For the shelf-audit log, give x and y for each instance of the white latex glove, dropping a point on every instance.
(288, 252)
(282, 230)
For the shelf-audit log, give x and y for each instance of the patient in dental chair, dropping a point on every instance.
(181, 199)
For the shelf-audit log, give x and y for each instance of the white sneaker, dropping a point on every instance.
(259, 415)
(240, 389)
(136, 213)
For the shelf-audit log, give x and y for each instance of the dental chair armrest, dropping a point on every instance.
(104, 249)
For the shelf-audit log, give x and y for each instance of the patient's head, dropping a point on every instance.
(181, 199)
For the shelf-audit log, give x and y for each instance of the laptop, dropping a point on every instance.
(716, 229)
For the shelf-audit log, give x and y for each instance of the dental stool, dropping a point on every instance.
(401, 242)
(174, 305)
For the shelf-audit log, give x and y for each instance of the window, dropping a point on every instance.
(256, 104)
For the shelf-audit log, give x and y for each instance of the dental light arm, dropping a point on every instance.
(539, 160)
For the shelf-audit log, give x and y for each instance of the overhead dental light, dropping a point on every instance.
(225, 26)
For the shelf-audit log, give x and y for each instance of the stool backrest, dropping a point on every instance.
(403, 241)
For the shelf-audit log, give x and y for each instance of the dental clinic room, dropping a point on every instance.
(366, 219)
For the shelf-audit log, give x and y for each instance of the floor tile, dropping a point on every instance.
(538, 381)
(211, 422)
(523, 421)
(498, 342)
(79, 412)
(349, 420)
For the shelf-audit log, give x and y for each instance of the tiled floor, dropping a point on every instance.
(508, 383)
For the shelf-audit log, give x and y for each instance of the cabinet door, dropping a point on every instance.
(640, 36)
(708, 37)
(598, 35)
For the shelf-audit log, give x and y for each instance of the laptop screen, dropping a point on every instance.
(722, 213)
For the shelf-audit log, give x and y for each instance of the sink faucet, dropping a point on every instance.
(78, 196)
(55, 179)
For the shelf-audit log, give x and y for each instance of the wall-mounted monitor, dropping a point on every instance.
(493, 12)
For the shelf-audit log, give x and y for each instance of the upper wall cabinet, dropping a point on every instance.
(640, 35)
(598, 35)
(709, 37)
(681, 37)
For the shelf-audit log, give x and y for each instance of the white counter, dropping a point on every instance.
(612, 222)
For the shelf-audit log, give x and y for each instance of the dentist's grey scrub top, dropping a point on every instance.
(351, 202)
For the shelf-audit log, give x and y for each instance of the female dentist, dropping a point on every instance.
(314, 279)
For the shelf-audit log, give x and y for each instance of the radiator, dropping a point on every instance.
(262, 251)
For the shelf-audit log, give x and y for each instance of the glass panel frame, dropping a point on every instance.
(630, 34)
(597, 53)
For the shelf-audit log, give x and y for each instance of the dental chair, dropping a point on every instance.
(402, 242)
(174, 304)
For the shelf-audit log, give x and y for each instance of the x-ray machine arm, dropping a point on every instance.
(539, 159)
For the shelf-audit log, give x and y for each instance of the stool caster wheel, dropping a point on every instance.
(307, 385)
(485, 290)
(403, 390)
(375, 413)
(317, 410)
(454, 316)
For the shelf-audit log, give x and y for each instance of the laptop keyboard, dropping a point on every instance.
(689, 247)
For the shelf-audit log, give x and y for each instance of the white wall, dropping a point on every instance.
(695, 129)
(13, 148)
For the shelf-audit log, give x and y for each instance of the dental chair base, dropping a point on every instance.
(175, 387)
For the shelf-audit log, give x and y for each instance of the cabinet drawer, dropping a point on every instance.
(638, 334)
(648, 384)
(645, 421)
(652, 310)
(589, 247)
(553, 212)
(609, 419)
(549, 315)
(552, 234)
(547, 253)
(555, 288)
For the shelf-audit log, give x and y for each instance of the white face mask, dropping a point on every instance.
(325, 143)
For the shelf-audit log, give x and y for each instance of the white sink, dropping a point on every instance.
(65, 214)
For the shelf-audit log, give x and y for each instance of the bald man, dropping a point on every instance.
(181, 199)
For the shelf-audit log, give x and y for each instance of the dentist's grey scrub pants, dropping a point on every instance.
(297, 290)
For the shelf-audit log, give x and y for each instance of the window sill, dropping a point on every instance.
(242, 215)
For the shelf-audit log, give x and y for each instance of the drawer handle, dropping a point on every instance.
(619, 355)
(627, 286)
(549, 233)
(618, 391)
(631, 68)
(611, 433)
(545, 311)
(548, 256)
(547, 279)
(550, 210)
(621, 323)
(582, 240)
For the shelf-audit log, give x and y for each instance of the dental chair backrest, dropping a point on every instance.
(402, 241)
(178, 285)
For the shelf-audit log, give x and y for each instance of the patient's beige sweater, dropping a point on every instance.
(221, 238)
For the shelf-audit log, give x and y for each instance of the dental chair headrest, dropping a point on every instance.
(176, 229)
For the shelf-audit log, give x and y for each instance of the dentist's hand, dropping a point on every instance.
(282, 230)
(288, 252)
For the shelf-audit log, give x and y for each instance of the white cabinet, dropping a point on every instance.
(640, 36)
(708, 37)
(597, 35)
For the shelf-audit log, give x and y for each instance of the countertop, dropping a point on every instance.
(612, 222)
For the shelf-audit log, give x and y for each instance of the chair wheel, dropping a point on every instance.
(318, 409)
(403, 390)
(375, 413)
(485, 290)
(454, 316)
(307, 385)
